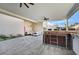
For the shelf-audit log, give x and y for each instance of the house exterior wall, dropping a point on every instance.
(28, 27)
(38, 28)
(11, 25)
(31, 27)
(76, 27)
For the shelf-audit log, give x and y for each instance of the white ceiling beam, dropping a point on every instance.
(73, 10)
(17, 16)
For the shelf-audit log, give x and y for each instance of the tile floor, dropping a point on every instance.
(31, 45)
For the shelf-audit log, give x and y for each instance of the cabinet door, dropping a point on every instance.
(61, 40)
(47, 39)
(53, 39)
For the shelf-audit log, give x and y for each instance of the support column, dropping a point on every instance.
(66, 24)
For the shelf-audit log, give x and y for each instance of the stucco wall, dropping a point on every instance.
(28, 27)
(31, 27)
(38, 28)
(11, 25)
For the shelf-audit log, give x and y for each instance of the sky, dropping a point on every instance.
(73, 19)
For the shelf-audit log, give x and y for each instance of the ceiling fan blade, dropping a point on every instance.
(26, 5)
(31, 3)
(20, 4)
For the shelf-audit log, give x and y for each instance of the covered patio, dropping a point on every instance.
(22, 20)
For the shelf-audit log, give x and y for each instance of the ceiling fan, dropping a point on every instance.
(26, 4)
(45, 18)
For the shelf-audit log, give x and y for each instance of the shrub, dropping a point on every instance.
(4, 37)
(12, 36)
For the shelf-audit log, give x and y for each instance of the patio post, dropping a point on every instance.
(66, 24)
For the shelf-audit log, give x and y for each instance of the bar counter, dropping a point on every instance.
(59, 38)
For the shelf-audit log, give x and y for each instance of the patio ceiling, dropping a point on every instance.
(54, 11)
